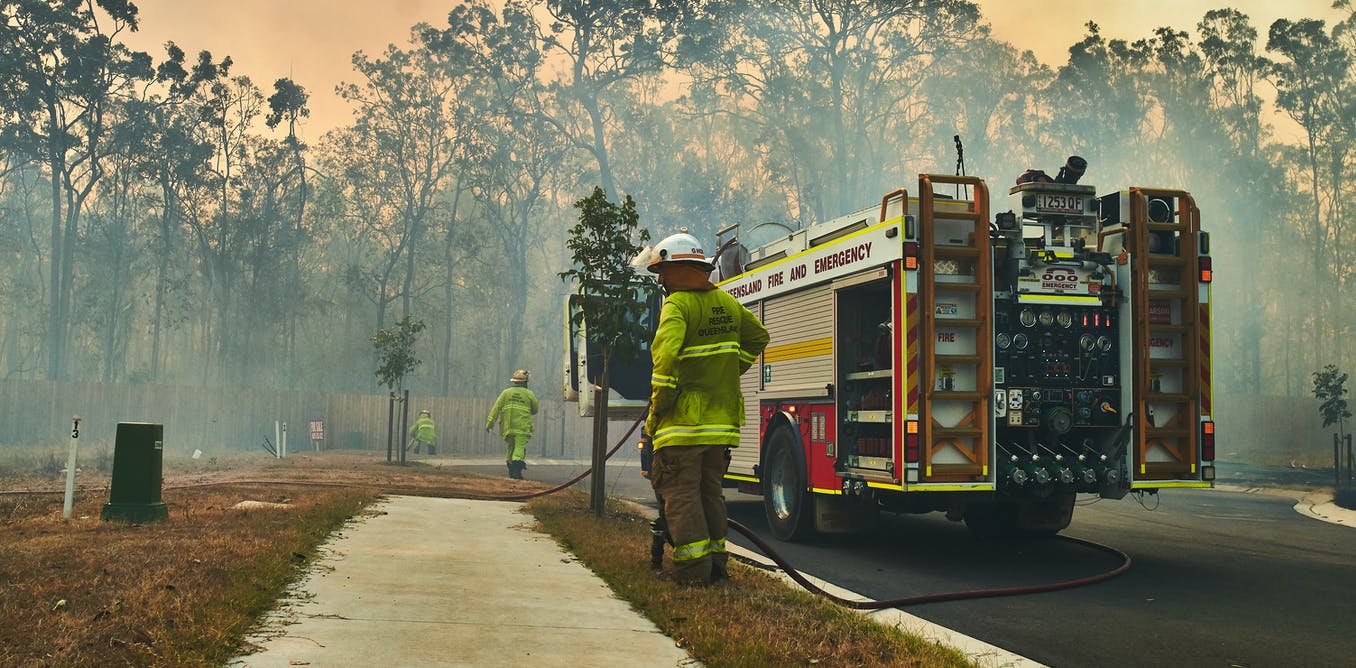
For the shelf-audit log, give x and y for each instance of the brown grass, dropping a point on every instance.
(754, 621)
(83, 592)
(181, 592)
(186, 591)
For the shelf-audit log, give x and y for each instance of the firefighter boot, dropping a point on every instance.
(515, 470)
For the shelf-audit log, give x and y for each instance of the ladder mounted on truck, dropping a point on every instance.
(953, 309)
(1170, 329)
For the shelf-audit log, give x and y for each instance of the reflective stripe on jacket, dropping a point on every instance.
(516, 405)
(704, 341)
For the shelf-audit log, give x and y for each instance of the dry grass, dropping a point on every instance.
(755, 621)
(186, 591)
(83, 592)
(180, 592)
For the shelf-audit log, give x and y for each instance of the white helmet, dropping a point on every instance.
(681, 247)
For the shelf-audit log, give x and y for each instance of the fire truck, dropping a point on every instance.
(927, 355)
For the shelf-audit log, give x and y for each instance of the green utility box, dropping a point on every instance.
(134, 493)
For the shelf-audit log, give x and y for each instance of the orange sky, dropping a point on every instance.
(312, 41)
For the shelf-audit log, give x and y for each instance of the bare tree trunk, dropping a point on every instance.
(449, 284)
(54, 342)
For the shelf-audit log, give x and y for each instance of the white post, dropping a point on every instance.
(284, 439)
(277, 439)
(70, 468)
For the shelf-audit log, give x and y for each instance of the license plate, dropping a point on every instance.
(1060, 204)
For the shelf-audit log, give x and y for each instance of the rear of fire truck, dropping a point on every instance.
(1101, 349)
(929, 357)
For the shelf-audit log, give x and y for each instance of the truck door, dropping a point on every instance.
(629, 380)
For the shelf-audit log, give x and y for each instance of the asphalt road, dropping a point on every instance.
(1219, 578)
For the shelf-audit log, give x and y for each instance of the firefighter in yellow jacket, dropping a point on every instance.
(425, 434)
(704, 341)
(514, 410)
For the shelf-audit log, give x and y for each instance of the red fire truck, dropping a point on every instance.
(929, 356)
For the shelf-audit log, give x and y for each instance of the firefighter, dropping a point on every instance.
(424, 432)
(704, 341)
(514, 410)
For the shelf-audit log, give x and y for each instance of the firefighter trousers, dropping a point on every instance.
(516, 445)
(688, 478)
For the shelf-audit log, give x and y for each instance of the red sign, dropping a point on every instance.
(1160, 312)
(317, 430)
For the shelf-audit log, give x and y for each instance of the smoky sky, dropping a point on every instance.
(313, 41)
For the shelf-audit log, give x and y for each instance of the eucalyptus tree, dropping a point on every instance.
(367, 242)
(116, 243)
(62, 69)
(993, 97)
(213, 207)
(174, 161)
(832, 88)
(511, 153)
(271, 294)
(692, 169)
(1247, 176)
(288, 106)
(1314, 86)
(604, 45)
(406, 106)
(1344, 252)
(22, 326)
(1100, 106)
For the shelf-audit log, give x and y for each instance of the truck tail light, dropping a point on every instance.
(911, 255)
(1208, 441)
(1205, 268)
(911, 442)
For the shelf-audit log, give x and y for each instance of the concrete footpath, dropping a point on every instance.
(451, 582)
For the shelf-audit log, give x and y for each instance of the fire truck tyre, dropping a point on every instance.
(991, 520)
(789, 506)
(1043, 518)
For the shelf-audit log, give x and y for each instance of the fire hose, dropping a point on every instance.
(800, 579)
(762, 545)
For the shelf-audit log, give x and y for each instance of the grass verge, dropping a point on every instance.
(754, 621)
(82, 592)
(187, 591)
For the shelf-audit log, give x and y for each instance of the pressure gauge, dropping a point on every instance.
(1020, 340)
(1065, 319)
(1046, 318)
(1027, 317)
(1104, 342)
(1004, 340)
(1086, 342)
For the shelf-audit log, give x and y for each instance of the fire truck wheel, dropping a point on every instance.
(1043, 518)
(992, 520)
(1021, 518)
(789, 506)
